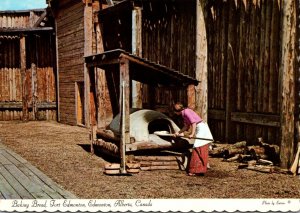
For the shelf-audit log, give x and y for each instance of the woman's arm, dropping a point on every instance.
(193, 130)
(184, 128)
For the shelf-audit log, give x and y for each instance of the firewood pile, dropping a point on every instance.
(261, 157)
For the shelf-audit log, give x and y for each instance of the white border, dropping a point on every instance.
(157, 205)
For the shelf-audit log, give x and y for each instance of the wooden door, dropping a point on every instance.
(80, 103)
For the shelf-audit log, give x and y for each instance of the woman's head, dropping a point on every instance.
(178, 107)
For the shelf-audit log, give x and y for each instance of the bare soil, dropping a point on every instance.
(63, 153)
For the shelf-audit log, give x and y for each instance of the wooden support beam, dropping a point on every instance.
(87, 83)
(124, 110)
(137, 100)
(56, 69)
(201, 63)
(191, 95)
(100, 83)
(287, 82)
(88, 43)
(25, 30)
(19, 105)
(41, 18)
(23, 76)
(229, 131)
(257, 119)
(34, 91)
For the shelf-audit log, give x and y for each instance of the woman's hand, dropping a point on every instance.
(191, 136)
(178, 134)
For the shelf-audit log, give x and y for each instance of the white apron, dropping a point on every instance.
(202, 131)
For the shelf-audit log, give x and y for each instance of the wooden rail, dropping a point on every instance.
(18, 105)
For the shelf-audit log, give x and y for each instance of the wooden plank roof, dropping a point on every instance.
(141, 69)
(30, 29)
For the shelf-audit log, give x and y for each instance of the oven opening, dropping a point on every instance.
(159, 125)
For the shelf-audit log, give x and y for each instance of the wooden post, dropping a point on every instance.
(124, 110)
(34, 91)
(201, 63)
(191, 96)
(56, 68)
(93, 137)
(88, 36)
(287, 82)
(100, 80)
(137, 101)
(230, 70)
(23, 76)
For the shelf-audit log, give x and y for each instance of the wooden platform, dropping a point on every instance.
(20, 180)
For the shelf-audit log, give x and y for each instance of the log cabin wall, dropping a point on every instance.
(19, 19)
(70, 37)
(39, 66)
(169, 39)
(244, 44)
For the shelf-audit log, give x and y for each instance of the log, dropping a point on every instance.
(93, 137)
(251, 163)
(245, 157)
(133, 165)
(107, 134)
(265, 162)
(112, 166)
(155, 158)
(228, 150)
(260, 168)
(109, 146)
(133, 171)
(294, 166)
(231, 151)
(169, 167)
(256, 149)
(239, 144)
(158, 163)
(234, 158)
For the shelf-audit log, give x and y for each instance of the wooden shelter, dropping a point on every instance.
(27, 66)
(243, 53)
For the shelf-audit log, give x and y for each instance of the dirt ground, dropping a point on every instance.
(63, 153)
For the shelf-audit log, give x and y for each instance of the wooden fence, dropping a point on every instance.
(244, 79)
(40, 80)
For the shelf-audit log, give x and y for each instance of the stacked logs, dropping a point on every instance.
(135, 164)
(149, 163)
(260, 157)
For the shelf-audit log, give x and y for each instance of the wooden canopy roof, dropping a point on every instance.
(141, 69)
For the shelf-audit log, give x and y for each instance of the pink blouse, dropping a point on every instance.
(190, 117)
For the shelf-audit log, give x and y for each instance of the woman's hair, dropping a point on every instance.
(178, 107)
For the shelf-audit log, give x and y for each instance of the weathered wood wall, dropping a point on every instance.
(39, 66)
(116, 30)
(104, 109)
(244, 45)
(19, 19)
(70, 38)
(169, 39)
